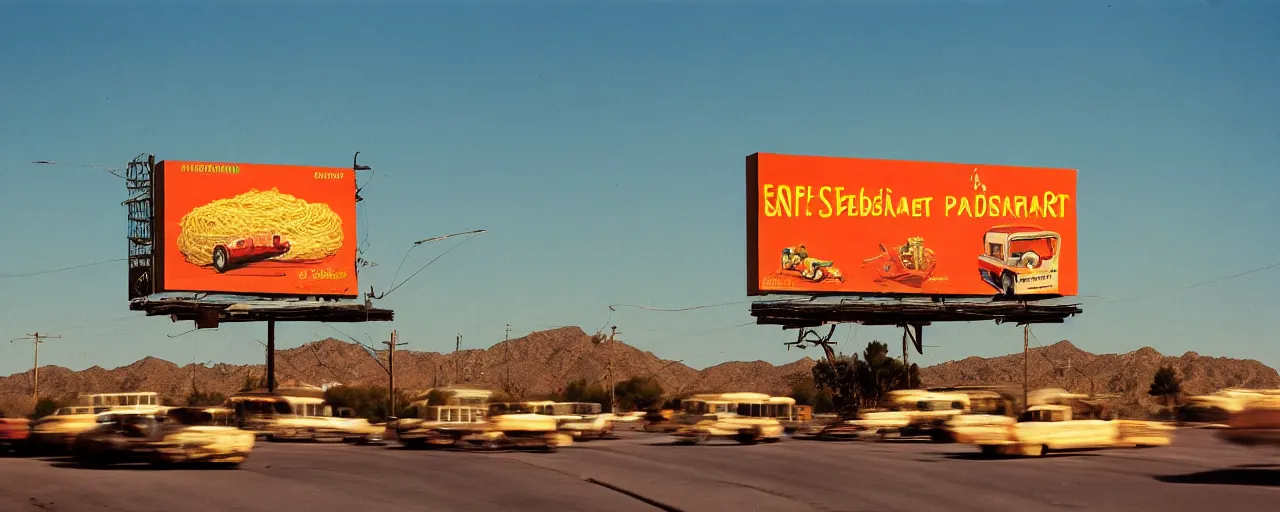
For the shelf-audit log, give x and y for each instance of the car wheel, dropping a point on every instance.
(220, 259)
(1007, 284)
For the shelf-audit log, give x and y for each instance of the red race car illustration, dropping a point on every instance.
(911, 264)
(244, 251)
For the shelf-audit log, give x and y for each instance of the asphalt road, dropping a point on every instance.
(644, 472)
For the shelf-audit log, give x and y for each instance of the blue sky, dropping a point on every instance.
(603, 145)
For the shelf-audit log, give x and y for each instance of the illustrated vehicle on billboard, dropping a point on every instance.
(911, 264)
(796, 260)
(1019, 260)
(243, 251)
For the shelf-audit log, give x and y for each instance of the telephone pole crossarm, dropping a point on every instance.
(36, 339)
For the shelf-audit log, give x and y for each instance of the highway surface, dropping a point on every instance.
(643, 472)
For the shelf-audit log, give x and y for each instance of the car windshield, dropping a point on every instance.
(500, 409)
(186, 416)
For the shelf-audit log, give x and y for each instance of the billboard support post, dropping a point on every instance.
(906, 364)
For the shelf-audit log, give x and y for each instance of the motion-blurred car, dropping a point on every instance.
(57, 432)
(517, 425)
(1219, 406)
(441, 425)
(301, 414)
(581, 420)
(1062, 421)
(1256, 425)
(178, 435)
(737, 416)
(14, 433)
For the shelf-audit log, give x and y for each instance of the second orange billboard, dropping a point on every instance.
(256, 229)
(856, 226)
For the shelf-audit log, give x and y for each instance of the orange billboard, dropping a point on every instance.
(856, 226)
(255, 229)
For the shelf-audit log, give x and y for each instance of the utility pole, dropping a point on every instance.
(271, 356)
(35, 338)
(457, 364)
(906, 363)
(1026, 351)
(613, 398)
(506, 338)
(391, 374)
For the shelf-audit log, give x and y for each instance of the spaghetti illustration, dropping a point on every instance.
(256, 226)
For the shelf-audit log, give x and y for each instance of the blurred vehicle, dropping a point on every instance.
(630, 417)
(1048, 427)
(476, 400)
(819, 424)
(300, 414)
(1132, 433)
(56, 432)
(14, 433)
(355, 429)
(747, 418)
(799, 417)
(1219, 406)
(581, 420)
(442, 425)
(1062, 421)
(908, 413)
(661, 421)
(517, 425)
(1258, 424)
(990, 410)
(175, 435)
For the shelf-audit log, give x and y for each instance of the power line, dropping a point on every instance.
(1204, 283)
(64, 269)
(469, 235)
(612, 307)
(112, 170)
(686, 335)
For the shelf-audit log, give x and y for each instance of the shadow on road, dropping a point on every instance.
(70, 464)
(982, 456)
(704, 443)
(1233, 476)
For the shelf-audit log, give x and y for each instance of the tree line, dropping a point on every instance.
(853, 381)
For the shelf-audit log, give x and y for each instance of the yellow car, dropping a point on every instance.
(178, 435)
(737, 416)
(517, 426)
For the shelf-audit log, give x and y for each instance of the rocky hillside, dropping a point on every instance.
(542, 362)
(537, 364)
(1129, 375)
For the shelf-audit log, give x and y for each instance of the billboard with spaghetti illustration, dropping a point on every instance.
(255, 229)
(857, 226)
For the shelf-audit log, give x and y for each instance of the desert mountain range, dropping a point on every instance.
(545, 361)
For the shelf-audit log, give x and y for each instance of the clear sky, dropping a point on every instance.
(603, 146)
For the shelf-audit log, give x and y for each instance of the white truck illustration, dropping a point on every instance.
(1020, 260)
